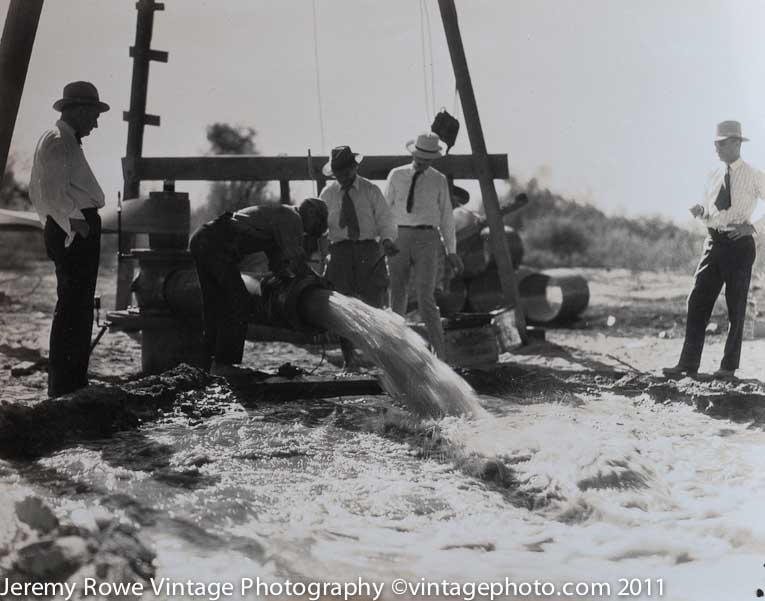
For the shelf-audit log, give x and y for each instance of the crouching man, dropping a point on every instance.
(218, 247)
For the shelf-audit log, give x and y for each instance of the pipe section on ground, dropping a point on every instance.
(545, 298)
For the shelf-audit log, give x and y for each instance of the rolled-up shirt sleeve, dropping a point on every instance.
(50, 188)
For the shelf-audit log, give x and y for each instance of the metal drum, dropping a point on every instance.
(545, 298)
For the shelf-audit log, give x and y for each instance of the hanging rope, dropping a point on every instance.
(428, 111)
(318, 77)
(430, 53)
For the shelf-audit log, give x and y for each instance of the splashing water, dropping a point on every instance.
(411, 372)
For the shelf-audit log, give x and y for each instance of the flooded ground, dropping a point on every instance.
(584, 471)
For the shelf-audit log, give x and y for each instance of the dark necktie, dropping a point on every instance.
(410, 196)
(722, 201)
(348, 217)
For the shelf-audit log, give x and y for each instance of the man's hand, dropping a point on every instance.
(697, 210)
(740, 230)
(389, 248)
(80, 226)
(455, 263)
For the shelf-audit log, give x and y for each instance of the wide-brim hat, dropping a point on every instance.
(426, 146)
(341, 157)
(80, 93)
(729, 129)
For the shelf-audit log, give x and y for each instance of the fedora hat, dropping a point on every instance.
(340, 158)
(426, 146)
(729, 129)
(78, 93)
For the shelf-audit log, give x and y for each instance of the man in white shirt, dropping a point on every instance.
(361, 233)
(729, 252)
(421, 204)
(67, 197)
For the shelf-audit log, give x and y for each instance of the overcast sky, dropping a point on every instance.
(613, 102)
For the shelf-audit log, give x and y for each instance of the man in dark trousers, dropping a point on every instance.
(219, 246)
(729, 253)
(361, 233)
(67, 197)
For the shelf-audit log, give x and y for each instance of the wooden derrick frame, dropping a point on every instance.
(136, 168)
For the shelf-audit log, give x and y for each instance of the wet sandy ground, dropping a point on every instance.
(634, 323)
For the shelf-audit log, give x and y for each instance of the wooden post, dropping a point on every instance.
(137, 118)
(478, 146)
(15, 51)
(284, 191)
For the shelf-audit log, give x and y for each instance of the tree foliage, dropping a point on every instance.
(13, 194)
(231, 196)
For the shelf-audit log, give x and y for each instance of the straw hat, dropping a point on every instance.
(426, 146)
(729, 129)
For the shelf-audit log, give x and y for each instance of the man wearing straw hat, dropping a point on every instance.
(729, 253)
(67, 197)
(422, 207)
(361, 234)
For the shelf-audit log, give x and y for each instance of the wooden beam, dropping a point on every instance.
(19, 32)
(147, 119)
(259, 168)
(284, 192)
(483, 165)
(159, 56)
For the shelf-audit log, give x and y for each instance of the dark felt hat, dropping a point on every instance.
(340, 158)
(79, 93)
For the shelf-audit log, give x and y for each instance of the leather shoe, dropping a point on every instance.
(724, 374)
(679, 370)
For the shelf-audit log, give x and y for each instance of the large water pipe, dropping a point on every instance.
(545, 298)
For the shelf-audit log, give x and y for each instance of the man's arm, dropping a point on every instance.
(288, 234)
(447, 227)
(54, 189)
(383, 216)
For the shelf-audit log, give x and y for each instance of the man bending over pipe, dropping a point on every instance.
(218, 247)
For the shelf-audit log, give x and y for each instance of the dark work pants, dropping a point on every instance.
(225, 302)
(76, 274)
(356, 268)
(728, 262)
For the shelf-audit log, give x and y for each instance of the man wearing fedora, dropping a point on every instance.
(421, 202)
(361, 233)
(728, 255)
(67, 197)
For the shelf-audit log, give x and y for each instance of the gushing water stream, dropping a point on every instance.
(410, 371)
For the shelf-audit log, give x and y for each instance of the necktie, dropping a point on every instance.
(410, 196)
(348, 217)
(722, 201)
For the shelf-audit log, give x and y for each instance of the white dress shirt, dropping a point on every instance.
(747, 184)
(62, 182)
(432, 204)
(375, 218)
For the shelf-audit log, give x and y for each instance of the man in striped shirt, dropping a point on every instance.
(729, 253)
